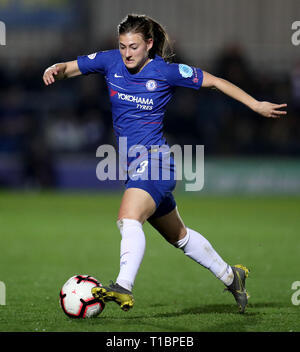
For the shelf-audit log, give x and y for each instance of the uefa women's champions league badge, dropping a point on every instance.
(185, 71)
(92, 56)
(151, 85)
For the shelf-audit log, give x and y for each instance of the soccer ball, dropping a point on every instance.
(76, 298)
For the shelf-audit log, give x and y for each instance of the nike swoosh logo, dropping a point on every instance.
(124, 254)
(117, 76)
(241, 290)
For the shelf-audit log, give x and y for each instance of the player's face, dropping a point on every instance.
(134, 50)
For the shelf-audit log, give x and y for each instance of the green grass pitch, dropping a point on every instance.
(48, 237)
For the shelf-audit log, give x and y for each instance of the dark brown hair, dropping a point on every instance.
(149, 29)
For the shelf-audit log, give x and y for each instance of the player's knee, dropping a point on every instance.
(182, 239)
(177, 236)
(127, 222)
(133, 214)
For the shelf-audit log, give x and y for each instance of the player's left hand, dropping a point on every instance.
(267, 109)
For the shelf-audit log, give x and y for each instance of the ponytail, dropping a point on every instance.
(149, 29)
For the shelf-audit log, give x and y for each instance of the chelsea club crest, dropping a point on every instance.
(151, 85)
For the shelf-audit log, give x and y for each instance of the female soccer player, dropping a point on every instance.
(141, 79)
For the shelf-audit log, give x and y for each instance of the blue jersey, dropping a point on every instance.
(138, 101)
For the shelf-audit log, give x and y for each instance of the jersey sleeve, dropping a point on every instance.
(98, 62)
(184, 76)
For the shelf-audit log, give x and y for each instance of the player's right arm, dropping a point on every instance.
(61, 71)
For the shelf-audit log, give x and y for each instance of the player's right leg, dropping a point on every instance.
(136, 206)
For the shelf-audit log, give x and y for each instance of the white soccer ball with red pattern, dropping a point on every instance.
(76, 298)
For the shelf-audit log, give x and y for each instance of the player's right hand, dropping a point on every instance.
(50, 73)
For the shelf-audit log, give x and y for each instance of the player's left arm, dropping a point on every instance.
(263, 108)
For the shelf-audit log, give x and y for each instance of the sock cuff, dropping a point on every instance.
(128, 223)
(181, 243)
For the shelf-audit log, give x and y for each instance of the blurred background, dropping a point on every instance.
(49, 135)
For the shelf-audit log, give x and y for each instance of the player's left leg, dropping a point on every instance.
(193, 244)
(198, 248)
